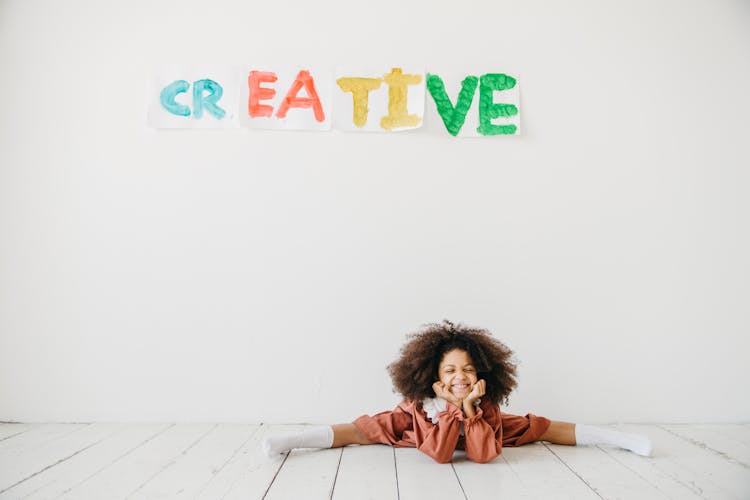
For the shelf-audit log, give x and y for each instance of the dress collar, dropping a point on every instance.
(433, 406)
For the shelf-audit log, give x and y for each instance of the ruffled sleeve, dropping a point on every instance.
(387, 427)
(483, 441)
(438, 440)
(432, 407)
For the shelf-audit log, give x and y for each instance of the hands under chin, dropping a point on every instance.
(442, 391)
(466, 404)
(477, 391)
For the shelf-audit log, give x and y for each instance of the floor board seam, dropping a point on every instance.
(54, 464)
(335, 476)
(17, 433)
(656, 487)
(573, 471)
(395, 468)
(172, 461)
(234, 454)
(116, 460)
(265, 494)
(513, 470)
(79, 428)
(704, 446)
(459, 482)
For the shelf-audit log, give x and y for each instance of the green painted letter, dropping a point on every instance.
(488, 110)
(453, 118)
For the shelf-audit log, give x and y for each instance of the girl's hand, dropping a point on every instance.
(477, 391)
(442, 392)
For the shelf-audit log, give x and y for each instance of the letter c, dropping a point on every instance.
(168, 95)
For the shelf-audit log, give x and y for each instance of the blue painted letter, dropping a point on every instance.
(209, 101)
(168, 94)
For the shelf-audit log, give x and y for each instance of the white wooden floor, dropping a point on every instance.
(217, 461)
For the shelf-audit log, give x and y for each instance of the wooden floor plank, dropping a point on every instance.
(13, 450)
(544, 475)
(39, 459)
(608, 477)
(725, 440)
(195, 468)
(705, 473)
(490, 481)
(420, 477)
(740, 432)
(665, 480)
(9, 430)
(366, 473)
(128, 474)
(95, 461)
(248, 473)
(39, 435)
(306, 474)
(59, 479)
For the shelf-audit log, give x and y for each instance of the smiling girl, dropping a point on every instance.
(453, 380)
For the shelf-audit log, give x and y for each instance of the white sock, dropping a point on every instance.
(315, 437)
(588, 435)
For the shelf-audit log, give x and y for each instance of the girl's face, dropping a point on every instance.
(457, 372)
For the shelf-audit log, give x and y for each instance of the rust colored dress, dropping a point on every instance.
(482, 436)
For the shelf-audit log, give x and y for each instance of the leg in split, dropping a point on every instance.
(346, 434)
(560, 433)
(583, 435)
(326, 436)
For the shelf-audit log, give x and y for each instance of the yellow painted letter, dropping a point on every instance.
(360, 89)
(398, 115)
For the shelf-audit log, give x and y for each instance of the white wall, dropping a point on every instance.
(269, 276)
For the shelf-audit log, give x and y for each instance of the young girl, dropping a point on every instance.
(453, 379)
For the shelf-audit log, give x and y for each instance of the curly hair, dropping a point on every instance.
(417, 368)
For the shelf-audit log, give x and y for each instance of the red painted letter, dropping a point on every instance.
(292, 101)
(258, 93)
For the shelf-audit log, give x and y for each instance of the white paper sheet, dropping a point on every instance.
(378, 99)
(306, 90)
(194, 97)
(454, 90)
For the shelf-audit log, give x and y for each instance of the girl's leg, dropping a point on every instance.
(582, 435)
(326, 436)
(560, 433)
(344, 434)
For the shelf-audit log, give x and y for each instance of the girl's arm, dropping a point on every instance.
(483, 443)
(477, 391)
(439, 440)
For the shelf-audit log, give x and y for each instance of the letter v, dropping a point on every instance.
(453, 118)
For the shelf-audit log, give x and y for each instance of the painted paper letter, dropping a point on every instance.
(209, 102)
(258, 93)
(453, 117)
(360, 89)
(168, 94)
(292, 101)
(489, 110)
(398, 115)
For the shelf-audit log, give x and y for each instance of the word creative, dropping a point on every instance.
(289, 98)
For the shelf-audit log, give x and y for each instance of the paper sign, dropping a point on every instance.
(185, 97)
(474, 104)
(370, 99)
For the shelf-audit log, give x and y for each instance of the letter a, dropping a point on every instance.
(292, 101)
